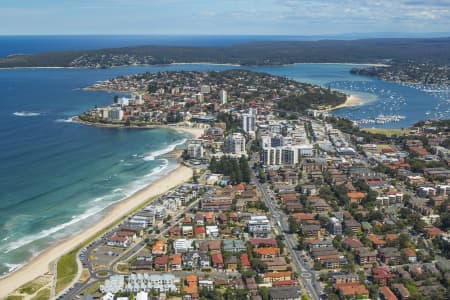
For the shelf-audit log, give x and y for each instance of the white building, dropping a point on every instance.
(212, 231)
(123, 101)
(205, 89)
(248, 122)
(108, 296)
(145, 282)
(115, 114)
(103, 112)
(285, 155)
(235, 144)
(223, 97)
(142, 296)
(113, 284)
(195, 149)
(138, 100)
(140, 221)
(306, 150)
(200, 97)
(182, 245)
(259, 225)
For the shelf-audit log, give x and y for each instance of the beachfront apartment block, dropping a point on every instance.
(195, 149)
(140, 221)
(115, 114)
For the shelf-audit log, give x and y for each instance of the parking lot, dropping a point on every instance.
(103, 255)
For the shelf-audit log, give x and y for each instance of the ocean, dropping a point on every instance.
(56, 176)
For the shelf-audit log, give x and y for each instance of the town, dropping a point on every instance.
(287, 201)
(174, 97)
(410, 72)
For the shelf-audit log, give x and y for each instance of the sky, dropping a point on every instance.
(223, 17)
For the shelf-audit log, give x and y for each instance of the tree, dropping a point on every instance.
(246, 172)
(116, 99)
(403, 240)
(262, 175)
(264, 293)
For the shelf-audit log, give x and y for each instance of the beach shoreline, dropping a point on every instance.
(194, 132)
(351, 101)
(40, 264)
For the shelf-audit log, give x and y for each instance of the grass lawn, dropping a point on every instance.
(387, 131)
(14, 298)
(31, 287)
(93, 288)
(67, 270)
(43, 294)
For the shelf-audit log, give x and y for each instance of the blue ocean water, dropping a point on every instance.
(57, 176)
(32, 44)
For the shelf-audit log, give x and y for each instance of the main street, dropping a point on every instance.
(280, 219)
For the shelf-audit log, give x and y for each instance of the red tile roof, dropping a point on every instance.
(244, 260)
(217, 258)
(387, 293)
(161, 260)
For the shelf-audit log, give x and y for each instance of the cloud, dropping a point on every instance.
(296, 17)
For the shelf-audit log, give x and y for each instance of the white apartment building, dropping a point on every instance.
(285, 155)
(195, 149)
(123, 101)
(259, 225)
(248, 122)
(235, 144)
(223, 97)
(115, 114)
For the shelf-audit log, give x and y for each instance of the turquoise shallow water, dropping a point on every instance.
(57, 176)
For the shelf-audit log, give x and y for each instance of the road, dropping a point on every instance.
(77, 288)
(280, 219)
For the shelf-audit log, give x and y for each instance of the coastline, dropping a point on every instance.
(206, 63)
(351, 101)
(194, 132)
(342, 63)
(40, 264)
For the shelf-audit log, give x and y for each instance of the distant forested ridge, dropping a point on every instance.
(434, 50)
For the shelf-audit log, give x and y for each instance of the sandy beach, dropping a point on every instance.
(39, 265)
(351, 101)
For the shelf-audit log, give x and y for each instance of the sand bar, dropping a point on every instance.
(351, 101)
(39, 265)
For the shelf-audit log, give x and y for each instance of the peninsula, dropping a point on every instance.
(172, 97)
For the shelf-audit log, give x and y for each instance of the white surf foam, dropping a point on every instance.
(47, 232)
(68, 120)
(26, 114)
(166, 150)
(102, 204)
(12, 267)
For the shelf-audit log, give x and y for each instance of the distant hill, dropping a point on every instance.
(401, 50)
